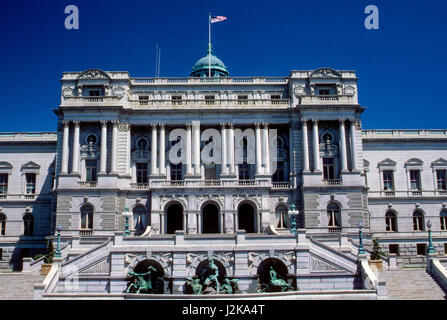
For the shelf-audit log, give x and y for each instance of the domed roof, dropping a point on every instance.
(201, 68)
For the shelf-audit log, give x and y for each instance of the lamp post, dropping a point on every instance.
(431, 249)
(58, 244)
(361, 249)
(126, 215)
(292, 214)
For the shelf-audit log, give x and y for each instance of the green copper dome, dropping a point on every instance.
(201, 69)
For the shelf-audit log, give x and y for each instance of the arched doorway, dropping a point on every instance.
(156, 277)
(174, 218)
(246, 218)
(210, 218)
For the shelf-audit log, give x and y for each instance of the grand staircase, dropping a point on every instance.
(18, 286)
(411, 284)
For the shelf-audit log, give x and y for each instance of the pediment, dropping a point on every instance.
(414, 162)
(94, 74)
(325, 73)
(387, 163)
(31, 165)
(5, 165)
(439, 162)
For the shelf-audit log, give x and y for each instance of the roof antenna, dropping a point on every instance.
(157, 60)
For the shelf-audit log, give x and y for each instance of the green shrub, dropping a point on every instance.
(38, 256)
(376, 254)
(50, 252)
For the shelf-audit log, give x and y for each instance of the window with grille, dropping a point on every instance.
(176, 171)
(333, 213)
(142, 172)
(91, 167)
(418, 221)
(391, 222)
(415, 181)
(87, 217)
(388, 180)
(30, 183)
(28, 224)
(328, 169)
(3, 183)
(440, 179)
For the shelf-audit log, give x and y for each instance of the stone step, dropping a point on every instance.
(18, 286)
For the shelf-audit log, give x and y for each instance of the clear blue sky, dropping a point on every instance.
(401, 67)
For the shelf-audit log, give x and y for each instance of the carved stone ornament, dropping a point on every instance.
(123, 126)
(89, 151)
(317, 264)
(328, 147)
(102, 267)
(298, 91)
(349, 90)
(118, 91)
(68, 92)
(93, 74)
(325, 73)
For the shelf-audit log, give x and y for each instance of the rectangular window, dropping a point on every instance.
(391, 224)
(443, 221)
(394, 248)
(91, 167)
(242, 99)
(244, 171)
(3, 183)
(328, 169)
(176, 100)
(324, 92)
(421, 249)
(176, 171)
(388, 180)
(440, 179)
(142, 172)
(94, 93)
(209, 99)
(31, 183)
(278, 176)
(445, 248)
(415, 182)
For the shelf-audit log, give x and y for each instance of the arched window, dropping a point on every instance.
(334, 217)
(139, 218)
(87, 217)
(2, 224)
(281, 218)
(443, 217)
(28, 224)
(391, 221)
(418, 221)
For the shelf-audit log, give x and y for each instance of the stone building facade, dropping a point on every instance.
(140, 144)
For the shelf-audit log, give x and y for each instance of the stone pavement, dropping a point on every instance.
(411, 284)
(18, 286)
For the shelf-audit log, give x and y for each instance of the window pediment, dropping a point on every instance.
(5, 166)
(31, 165)
(387, 163)
(93, 74)
(439, 163)
(325, 73)
(414, 162)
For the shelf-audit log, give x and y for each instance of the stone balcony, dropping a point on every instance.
(91, 101)
(211, 103)
(208, 184)
(326, 99)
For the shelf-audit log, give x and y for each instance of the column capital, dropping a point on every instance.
(154, 125)
(124, 126)
(265, 124)
(195, 123)
(77, 124)
(258, 124)
(341, 120)
(115, 123)
(223, 124)
(104, 123)
(230, 125)
(303, 121)
(65, 123)
(315, 122)
(161, 125)
(188, 125)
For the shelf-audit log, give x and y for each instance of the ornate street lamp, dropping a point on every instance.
(126, 215)
(361, 250)
(58, 244)
(292, 214)
(431, 249)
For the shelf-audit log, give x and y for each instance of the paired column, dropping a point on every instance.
(258, 149)
(154, 151)
(196, 146)
(114, 145)
(75, 163)
(353, 146)
(64, 167)
(162, 164)
(266, 150)
(188, 149)
(223, 135)
(103, 164)
(342, 135)
(305, 146)
(316, 146)
(231, 147)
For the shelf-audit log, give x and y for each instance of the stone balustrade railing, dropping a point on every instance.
(191, 103)
(326, 99)
(404, 133)
(193, 80)
(332, 182)
(88, 184)
(407, 193)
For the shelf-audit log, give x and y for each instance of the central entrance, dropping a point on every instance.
(174, 218)
(210, 214)
(246, 218)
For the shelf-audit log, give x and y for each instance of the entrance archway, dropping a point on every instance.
(246, 218)
(174, 218)
(210, 218)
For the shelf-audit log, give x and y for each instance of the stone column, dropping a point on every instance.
(188, 149)
(75, 163)
(223, 134)
(231, 147)
(305, 146)
(222, 222)
(342, 138)
(316, 145)
(154, 151)
(353, 146)
(103, 165)
(162, 161)
(196, 146)
(199, 222)
(114, 144)
(266, 150)
(258, 149)
(64, 168)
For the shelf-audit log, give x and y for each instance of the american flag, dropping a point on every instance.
(218, 19)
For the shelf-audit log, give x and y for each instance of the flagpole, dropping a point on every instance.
(209, 45)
